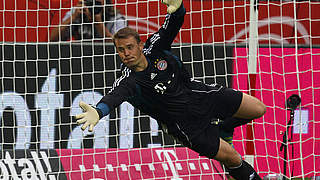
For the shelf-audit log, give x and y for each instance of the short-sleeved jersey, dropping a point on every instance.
(164, 90)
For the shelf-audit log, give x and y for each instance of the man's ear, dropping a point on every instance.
(115, 45)
(141, 45)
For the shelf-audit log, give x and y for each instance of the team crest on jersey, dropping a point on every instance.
(162, 65)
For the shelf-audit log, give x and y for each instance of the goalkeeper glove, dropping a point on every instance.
(90, 117)
(173, 5)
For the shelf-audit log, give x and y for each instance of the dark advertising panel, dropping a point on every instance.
(41, 86)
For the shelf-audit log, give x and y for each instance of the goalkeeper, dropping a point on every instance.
(155, 81)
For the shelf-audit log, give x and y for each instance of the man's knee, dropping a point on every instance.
(250, 108)
(260, 109)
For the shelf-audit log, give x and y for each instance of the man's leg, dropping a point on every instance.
(249, 109)
(237, 168)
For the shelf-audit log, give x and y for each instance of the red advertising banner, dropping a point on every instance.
(205, 22)
(146, 163)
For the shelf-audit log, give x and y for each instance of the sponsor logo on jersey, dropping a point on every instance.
(162, 65)
(160, 88)
(153, 75)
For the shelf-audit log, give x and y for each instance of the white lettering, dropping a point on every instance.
(151, 167)
(11, 162)
(178, 166)
(82, 168)
(124, 167)
(109, 167)
(101, 130)
(38, 164)
(96, 167)
(165, 167)
(160, 88)
(166, 154)
(28, 173)
(126, 125)
(205, 166)
(48, 101)
(192, 166)
(138, 167)
(4, 172)
(46, 161)
(154, 128)
(23, 118)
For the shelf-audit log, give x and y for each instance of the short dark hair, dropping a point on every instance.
(125, 33)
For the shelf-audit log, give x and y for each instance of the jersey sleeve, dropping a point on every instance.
(122, 89)
(164, 37)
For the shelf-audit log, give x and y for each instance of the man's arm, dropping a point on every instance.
(164, 37)
(121, 90)
(62, 31)
(91, 115)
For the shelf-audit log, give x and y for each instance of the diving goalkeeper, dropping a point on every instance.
(156, 82)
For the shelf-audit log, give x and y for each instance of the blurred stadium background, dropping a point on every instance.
(42, 83)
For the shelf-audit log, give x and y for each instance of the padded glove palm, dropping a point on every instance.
(90, 117)
(173, 5)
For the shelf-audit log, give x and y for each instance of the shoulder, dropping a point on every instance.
(151, 44)
(125, 71)
(125, 81)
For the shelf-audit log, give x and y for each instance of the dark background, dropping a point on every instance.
(84, 66)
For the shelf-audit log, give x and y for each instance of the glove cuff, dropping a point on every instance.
(103, 109)
(99, 112)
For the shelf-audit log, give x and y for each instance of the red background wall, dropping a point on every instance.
(205, 22)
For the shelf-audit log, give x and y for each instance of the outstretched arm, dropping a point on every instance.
(164, 37)
(91, 115)
(121, 90)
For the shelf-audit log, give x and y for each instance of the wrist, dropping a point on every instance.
(102, 109)
(99, 113)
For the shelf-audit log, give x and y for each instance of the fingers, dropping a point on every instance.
(79, 116)
(173, 5)
(91, 127)
(84, 106)
(81, 121)
(84, 127)
(90, 117)
(164, 2)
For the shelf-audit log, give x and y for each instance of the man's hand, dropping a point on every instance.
(173, 5)
(90, 117)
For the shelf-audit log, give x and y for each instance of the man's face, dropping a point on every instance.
(130, 52)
